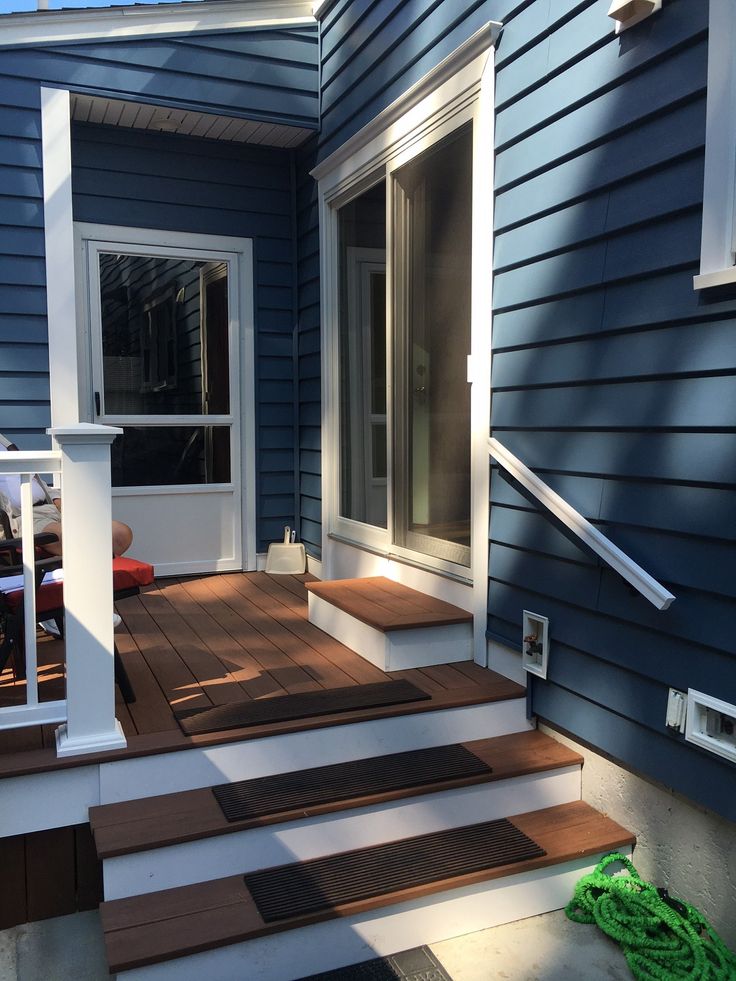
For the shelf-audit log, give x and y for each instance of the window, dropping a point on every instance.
(718, 246)
(406, 259)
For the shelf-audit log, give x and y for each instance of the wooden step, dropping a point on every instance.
(387, 605)
(222, 916)
(391, 625)
(171, 819)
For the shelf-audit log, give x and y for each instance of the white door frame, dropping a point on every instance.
(238, 252)
(458, 91)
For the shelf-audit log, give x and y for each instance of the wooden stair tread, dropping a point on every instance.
(177, 922)
(386, 605)
(156, 822)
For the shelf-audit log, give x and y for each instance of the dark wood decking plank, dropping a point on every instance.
(256, 606)
(296, 619)
(225, 605)
(150, 711)
(177, 682)
(413, 674)
(275, 587)
(296, 586)
(173, 922)
(221, 685)
(447, 675)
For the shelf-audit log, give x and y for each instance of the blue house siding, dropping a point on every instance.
(152, 180)
(308, 355)
(611, 377)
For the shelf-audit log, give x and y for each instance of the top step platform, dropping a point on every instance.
(391, 625)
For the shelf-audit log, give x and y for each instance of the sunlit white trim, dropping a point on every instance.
(611, 554)
(719, 205)
(56, 149)
(19, 716)
(60, 26)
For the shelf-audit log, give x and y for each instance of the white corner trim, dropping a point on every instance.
(60, 26)
(611, 554)
(476, 49)
(56, 155)
(719, 206)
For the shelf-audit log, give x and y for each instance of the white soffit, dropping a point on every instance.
(149, 20)
(185, 122)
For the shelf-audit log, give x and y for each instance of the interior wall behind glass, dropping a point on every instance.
(362, 353)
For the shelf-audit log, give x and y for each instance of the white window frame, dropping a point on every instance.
(459, 91)
(717, 259)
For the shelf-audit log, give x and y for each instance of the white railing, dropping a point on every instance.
(611, 554)
(88, 712)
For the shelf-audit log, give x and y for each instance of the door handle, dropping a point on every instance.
(97, 403)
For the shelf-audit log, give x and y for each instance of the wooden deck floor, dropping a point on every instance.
(214, 640)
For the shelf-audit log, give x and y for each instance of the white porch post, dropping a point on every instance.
(85, 522)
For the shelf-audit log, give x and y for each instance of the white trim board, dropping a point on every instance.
(61, 26)
(59, 247)
(719, 191)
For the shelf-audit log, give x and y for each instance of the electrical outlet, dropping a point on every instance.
(711, 723)
(535, 643)
(676, 710)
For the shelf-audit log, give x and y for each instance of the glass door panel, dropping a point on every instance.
(432, 324)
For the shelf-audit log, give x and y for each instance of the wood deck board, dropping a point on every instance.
(261, 607)
(386, 605)
(225, 605)
(242, 630)
(175, 922)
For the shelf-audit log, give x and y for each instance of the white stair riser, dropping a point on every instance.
(279, 844)
(378, 933)
(396, 650)
(149, 776)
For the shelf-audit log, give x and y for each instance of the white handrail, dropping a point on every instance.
(611, 554)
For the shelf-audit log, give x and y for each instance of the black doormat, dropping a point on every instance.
(324, 883)
(419, 964)
(285, 708)
(345, 781)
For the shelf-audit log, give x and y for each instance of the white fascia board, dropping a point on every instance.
(114, 23)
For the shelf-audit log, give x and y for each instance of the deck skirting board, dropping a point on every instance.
(394, 650)
(314, 837)
(379, 932)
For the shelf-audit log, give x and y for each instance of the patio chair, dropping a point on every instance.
(129, 575)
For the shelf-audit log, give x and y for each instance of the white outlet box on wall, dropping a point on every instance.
(535, 643)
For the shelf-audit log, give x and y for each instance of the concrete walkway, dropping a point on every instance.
(542, 948)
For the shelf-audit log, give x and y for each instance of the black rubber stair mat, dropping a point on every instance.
(325, 883)
(344, 781)
(285, 708)
(419, 964)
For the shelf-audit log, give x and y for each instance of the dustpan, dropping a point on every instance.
(286, 558)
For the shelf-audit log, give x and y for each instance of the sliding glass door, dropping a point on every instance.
(404, 397)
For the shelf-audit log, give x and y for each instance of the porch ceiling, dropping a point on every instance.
(187, 122)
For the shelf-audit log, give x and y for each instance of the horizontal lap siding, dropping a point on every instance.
(308, 355)
(614, 380)
(158, 181)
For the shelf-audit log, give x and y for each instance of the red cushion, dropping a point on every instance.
(126, 574)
